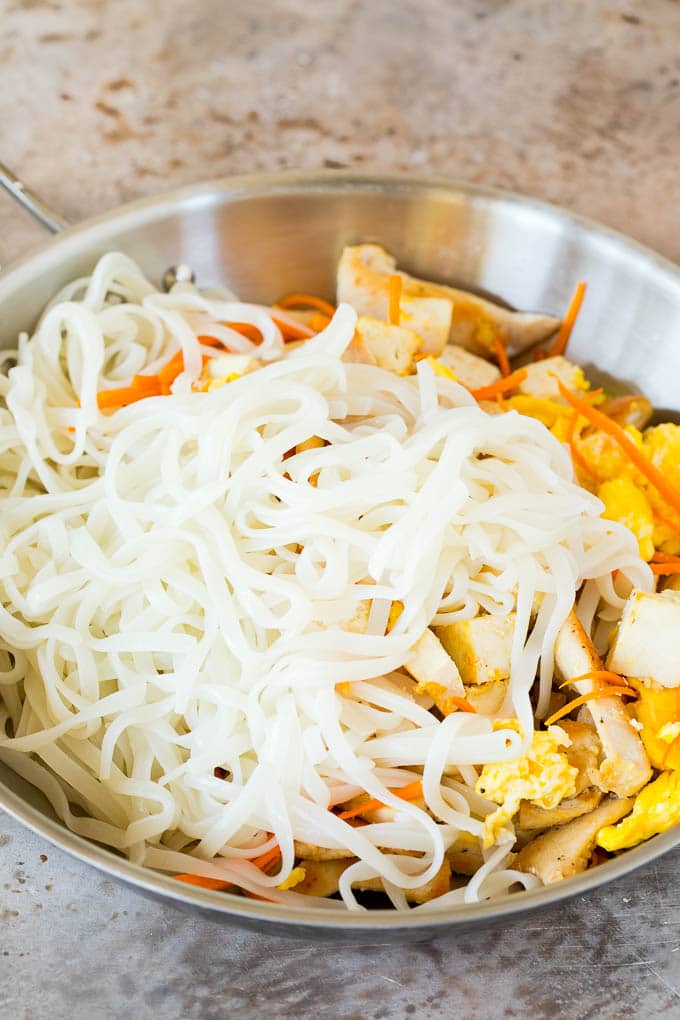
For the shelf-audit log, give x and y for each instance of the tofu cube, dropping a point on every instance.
(487, 699)
(540, 382)
(480, 648)
(378, 343)
(646, 645)
(469, 369)
(429, 664)
(430, 318)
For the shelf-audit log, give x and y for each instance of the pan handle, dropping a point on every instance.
(30, 201)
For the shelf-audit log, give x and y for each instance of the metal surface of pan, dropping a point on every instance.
(265, 235)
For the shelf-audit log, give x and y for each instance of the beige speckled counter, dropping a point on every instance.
(101, 102)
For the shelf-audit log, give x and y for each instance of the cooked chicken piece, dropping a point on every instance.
(321, 877)
(541, 382)
(378, 343)
(469, 369)
(480, 648)
(487, 699)
(434, 669)
(430, 318)
(565, 851)
(624, 768)
(320, 853)
(645, 644)
(629, 410)
(440, 884)
(363, 281)
(583, 753)
(533, 817)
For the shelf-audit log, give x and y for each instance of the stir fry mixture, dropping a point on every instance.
(314, 601)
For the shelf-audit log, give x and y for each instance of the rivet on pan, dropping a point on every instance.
(181, 273)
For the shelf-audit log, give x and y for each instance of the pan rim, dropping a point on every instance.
(230, 907)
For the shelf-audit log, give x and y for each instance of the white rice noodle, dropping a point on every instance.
(175, 594)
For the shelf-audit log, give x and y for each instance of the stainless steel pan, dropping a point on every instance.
(266, 235)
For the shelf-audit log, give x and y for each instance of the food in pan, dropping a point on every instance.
(312, 603)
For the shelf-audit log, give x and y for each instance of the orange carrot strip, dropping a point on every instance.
(599, 692)
(394, 314)
(500, 386)
(462, 703)
(142, 386)
(662, 557)
(246, 329)
(409, 792)
(264, 860)
(576, 454)
(306, 301)
(203, 882)
(170, 371)
(501, 356)
(295, 330)
(662, 569)
(319, 321)
(641, 462)
(599, 676)
(210, 341)
(567, 325)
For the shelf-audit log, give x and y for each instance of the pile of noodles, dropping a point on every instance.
(175, 592)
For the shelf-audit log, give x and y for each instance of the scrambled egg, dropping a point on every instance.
(658, 711)
(626, 502)
(441, 369)
(543, 776)
(296, 876)
(656, 809)
(627, 494)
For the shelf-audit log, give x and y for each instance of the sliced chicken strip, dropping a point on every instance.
(565, 851)
(625, 767)
(437, 886)
(363, 281)
(533, 817)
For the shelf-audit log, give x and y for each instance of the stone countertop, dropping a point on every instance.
(103, 102)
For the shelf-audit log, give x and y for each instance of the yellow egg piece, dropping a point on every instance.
(543, 776)
(626, 503)
(656, 809)
(656, 709)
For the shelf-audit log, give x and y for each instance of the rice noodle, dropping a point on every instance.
(175, 596)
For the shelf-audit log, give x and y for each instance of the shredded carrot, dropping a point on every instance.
(211, 341)
(599, 692)
(662, 557)
(270, 857)
(141, 386)
(297, 330)
(576, 454)
(501, 356)
(462, 703)
(662, 569)
(502, 385)
(247, 330)
(319, 321)
(307, 301)
(620, 436)
(599, 676)
(412, 791)
(203, 882)
(568, 322)
(394, 314)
